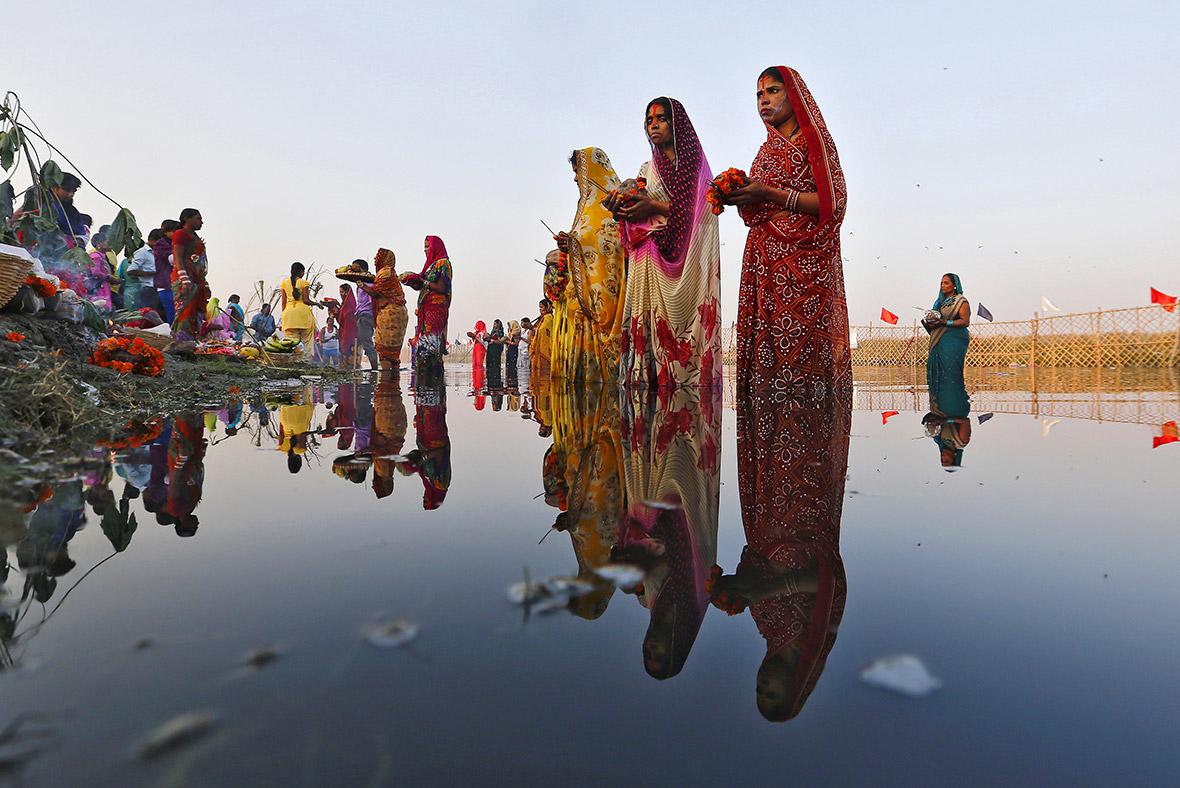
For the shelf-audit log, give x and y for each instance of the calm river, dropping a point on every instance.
(325, 588)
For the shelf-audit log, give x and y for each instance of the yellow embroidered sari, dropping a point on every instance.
(586, 433)
(587, 342)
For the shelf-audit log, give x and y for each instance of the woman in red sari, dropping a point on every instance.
(793, 460)
(186, 471)
(792, 311)
(190, 290)
(434, 307)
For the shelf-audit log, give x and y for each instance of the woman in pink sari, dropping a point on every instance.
(792, 311)
(347, 335)
(671, 320)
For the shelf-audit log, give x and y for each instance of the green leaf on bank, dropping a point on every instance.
(7, 200)
(50, 175)
(7, 149)
(78, 257)
(124, 236)
(118, 523)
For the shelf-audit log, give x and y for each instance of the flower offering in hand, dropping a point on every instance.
(722, 185)
(731, 603)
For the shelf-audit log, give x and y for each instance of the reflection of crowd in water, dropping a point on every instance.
(368, 422)
(634, 478)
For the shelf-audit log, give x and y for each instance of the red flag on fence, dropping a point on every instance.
(887, 415)
(1163, 299)
(1170, 433)
(888, 316)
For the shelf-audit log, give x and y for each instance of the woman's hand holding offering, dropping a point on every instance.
(752, 193)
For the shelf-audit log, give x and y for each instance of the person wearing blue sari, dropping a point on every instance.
(947, 324)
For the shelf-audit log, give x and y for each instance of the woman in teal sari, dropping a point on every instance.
(947, 324)
(949, 405)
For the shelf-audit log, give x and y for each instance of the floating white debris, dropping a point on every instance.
(528, 593)
(175, 733)
(569, 586)
(549, 595)
(902, 673)
(91, 392)
(661, 505)
(625, 576)
(390, 634)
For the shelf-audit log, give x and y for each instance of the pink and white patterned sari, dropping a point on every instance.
(672, 316)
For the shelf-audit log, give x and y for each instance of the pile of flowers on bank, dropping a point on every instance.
(131, 356)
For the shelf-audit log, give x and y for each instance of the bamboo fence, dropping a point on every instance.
(1145, 336)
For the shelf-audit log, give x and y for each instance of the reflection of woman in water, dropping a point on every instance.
(294, 429)
(186, 476)
(793, 462)
(389, 432)
(587, 428)
(951, 434)
(432, 459)
(671, 449)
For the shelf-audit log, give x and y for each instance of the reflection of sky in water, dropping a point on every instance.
(1038, 583)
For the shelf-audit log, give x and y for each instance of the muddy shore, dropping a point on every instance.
(55, 407)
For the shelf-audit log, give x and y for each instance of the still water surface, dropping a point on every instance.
(1039, 583)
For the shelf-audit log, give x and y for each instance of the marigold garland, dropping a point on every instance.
(129, 356)
(135, 433)
(728, 601)
(722, 185)
(42, 287)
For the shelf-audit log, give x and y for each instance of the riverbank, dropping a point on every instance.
(55, 407)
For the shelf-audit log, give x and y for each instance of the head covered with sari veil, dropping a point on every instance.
(674, 587)
(941, 300)
(687, 182)
(822, 157)
(435, 251)
(596, 264)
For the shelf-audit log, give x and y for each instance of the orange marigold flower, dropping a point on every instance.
(12, 336)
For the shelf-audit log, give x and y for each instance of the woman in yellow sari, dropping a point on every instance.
(586, 434)
(588, 342)
(541, 344)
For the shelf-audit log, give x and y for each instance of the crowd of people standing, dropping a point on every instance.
(632, 292)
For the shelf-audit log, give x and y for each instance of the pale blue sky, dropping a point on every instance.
(318, 132)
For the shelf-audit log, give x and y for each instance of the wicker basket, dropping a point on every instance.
(158, 341)
(13, 271)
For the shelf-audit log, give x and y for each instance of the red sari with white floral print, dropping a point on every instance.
(793, 456)
(792, 310)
